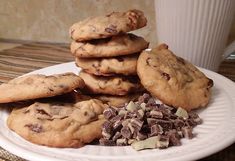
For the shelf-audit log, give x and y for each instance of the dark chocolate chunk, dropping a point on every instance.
(166, 125)
(156, 114)
(187, 132)
(106, 142)
(174, 137)
(166, 76)
(109, 113)
(112, 29)
(156, 130)
(126, 132)
(35, 127)
(117, 136)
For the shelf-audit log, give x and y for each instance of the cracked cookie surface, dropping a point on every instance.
(123, 44)
(115, 85)
(173, 80)
(62, 125)
(38, 86)
(108, 25)
(125, 65)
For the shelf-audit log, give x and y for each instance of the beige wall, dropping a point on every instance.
(49, 20)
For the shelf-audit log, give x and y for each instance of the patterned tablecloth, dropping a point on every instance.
(32, 56)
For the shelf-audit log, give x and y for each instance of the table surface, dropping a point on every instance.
(27, 57)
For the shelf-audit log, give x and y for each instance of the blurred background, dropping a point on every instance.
(49, 20)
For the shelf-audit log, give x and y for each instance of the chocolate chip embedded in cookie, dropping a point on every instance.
(59, 125)
(116, 85)
(172, 79)
(125, 65)
(38, 86)
(107, 26)
(123, 44)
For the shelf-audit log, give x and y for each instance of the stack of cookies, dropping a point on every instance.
(108, 55)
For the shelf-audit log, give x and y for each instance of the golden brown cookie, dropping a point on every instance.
(125, 65)
(117, 101)
(107, 26)
(123, 44)
(116, 85)
(57, 124)
(173, 80)
(39, 86)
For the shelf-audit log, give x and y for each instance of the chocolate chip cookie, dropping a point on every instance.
(57, 124)
(107, 26)
(116, 85)
(117, 101)
(123, 44)
(173, 80)
(125, 65)
(38, 86)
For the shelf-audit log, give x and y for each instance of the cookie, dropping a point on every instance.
(123, 44)
(173, 80)
(107, 26)
(38, 86)
(116, 85)
(125, 65)
(117, 101)
(57, 124)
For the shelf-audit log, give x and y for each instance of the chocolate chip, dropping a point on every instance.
(147, 61)
(34, 127)
(112, 29)
(43, 112)
(166, 76)
(180, 60)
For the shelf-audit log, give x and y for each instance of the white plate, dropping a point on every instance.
(216, 132)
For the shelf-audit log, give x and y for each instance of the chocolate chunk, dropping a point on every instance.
(112, 29)
(109, 113)
(156, 114)
(151, 121)
(117, 136)
(166, 76)
(178, 124)
(116, 118)
(141, 136)
(174, 137)
(121, 142)
(144, 98)
(156, 130)
(117, 125)
(136, 124)
(107, 129)
(126, 133)
(187, 132)
(166, 125)
(34, 127)
(106, 142)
